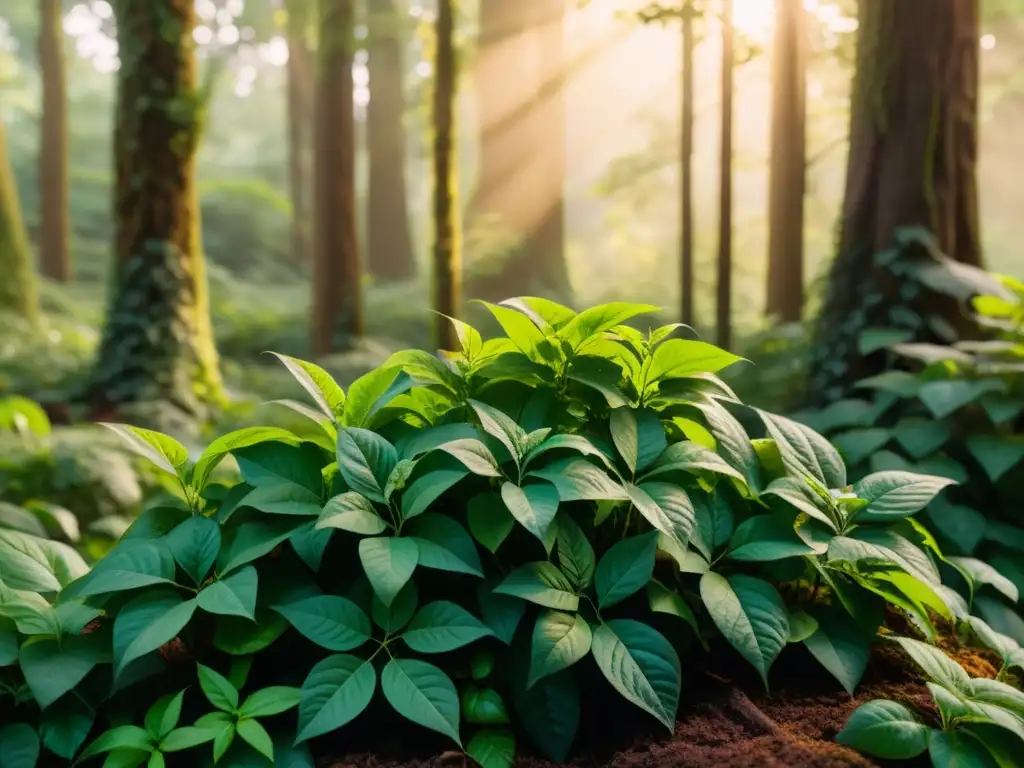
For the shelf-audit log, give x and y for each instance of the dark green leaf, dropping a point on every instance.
(195, 544)
(894, 495)
(559, 641)
(550, 713)
(53, 668)
(885, 729)
(534, 505)
(365, 460)
(423, 694)
(443, 626)
(392, 618)
(638, 435)
(501, 613)
(490, 522)
(492, 748)
(424, 491)
(575, 554)
(353, 512)
(625, 569)
(444, 544)
(235, 441)
(147, 622)
(336, 690)
(765, 538)
(389, 563)
(542, 583)
(842, 647)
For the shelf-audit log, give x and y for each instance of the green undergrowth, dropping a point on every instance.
(468, 541)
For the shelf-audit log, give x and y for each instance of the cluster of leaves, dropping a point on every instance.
(482, 534)
(980, 721)
(955, 410)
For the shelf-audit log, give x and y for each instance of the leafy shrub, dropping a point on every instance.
(483, 535)
(954, 410)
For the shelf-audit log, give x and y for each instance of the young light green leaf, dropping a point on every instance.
(541, 583)
(147, 622)
(443, 626)
(165, 452)
(256, 736)
(218, 691)
(422, 693)
(625, 568)
(270, 701)
(234, 441)
(365, 460)
(559, 641)
(641, 665)
(750, 614)
(371, 392)
(603, 317)
(575, 553)
(534, 505)
(331, 622)
(324, 390)
(444, 544)
(195, 544)
(336, 690)
(885, 729)
(121, 737)
(163, 716)
(521, 331)
(680, 358)
(389, 563)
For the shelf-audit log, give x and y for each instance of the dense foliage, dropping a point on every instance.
(483, 535)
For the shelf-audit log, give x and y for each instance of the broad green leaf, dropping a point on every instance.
(501, 427)
(543, 312)
(801, 626)
(765, 538)
(936, 664)
(195, 544)
(522, 332)
(873, 339)
(121, 737)
(234, 441)
(667, 507)
(881, 545)
(980, 573)
(997, 693)
(714, 523)
(638, 435)
(222, 742)
(53, 668)
(236, 636)
(575, 553)
(444, 544)
(371, 392)
(680, 358)
(276, 463)
(8, 642)
(625, 568)
(895, 495)
(997, 454)
(534, 506)
(663, 600)
(331, 622)
(733, 442)
(550, 713)
(945, 397)
(443, 626)
(474, 455)
(389, 563)
(37, 565)
(283, 498)
(956, 750)
(641, 665)
(425, 490)
(688, 456)
(489, 520)
(270, 701)
(244, 543)
(750, 614)
(575, 443)
(921, 437)
(805, 451)
(64, 726)
(470, 340)
(578, 480)
(147, 622)
(310, 544)
(256, 736)
(885, 729)
(501, 613)
(424, 694)
(329, 397)
(392, 618)
(559, 641)
(335, 691)
(957, 523)
(841, 647)
(483, 706)
(603, 317)
(218, 689)
(165, 452)
(130, 565)
(421, 441)
(856, 445)
(30, 612)
(163, 716)
(492, 748)
(600, 375)
(1002, 644)
(365, 460)
(541, 583)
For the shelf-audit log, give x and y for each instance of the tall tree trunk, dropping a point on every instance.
(912, 162)
(390, 254)
(54, 255)
(157, 343)
(786, 178)
(337, 293)
(724, 292)
(300, 113)
(686, 274)
(18, 292)
(447, 235)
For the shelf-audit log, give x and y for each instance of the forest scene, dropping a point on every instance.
(535, 383)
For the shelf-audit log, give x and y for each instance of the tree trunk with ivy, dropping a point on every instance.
(786, 183)
(300, 112)
(389, 239)
(912, 163)
(18, 292)
(157, 342)
(447, 252)
(54, 252)
(337, 294)
(516, 211)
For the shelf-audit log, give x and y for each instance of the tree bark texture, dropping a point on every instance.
(447, 226)
(390, 254)
(912, 163)
(723, 317)
(54, 249)
(18, 291)
(158, 342)
(300, 114)
(786, 177)
(686, 271)
(337, 275)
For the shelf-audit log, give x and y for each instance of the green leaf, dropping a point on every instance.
(365, 460)
(64, 726)
(997, 693)
(980, 573)
(641, 665)
(801, 626)
(663, 600)
(715, 521)
(474, 455)
(351, 511)
(997, 454)
(873, 339)
(550, 713)
(147, 622)
(578, 480)
(371, 392)
(501, 613)
(922, 437)
(336, 690)
(122, 737)
(234, 595)
(331, 622)
(955, 750)
(559, 641)
(638, 435)
(625, 569)
(667, 507)
(936, 664)
(603, 317)
(270, 701)
(422, 693)
(945, 397)
(766, 538)
(163, 716)
(165, 452)
(392, 618)
(53, 668)
(329, 397)
(750, 614)
(691, 457)
(256, 736)
(283, 498)
(878, 544)
(733, 443)
(222, 742)
(443, 626)
(28, 563)
(681, 358)
(575, 554)
(541, 583)
(534, 505)
(389, 563)
(885, 729)
(895, 495)
(233, 441)
(8, 642)
(194, 544)
(276, 463)
(489, 520)
(856, 445)
(492, 748)
(483, 706)
(841, 647)
(805, 451)
(418, 497)
(501, 427)
(444, 544)
(575, 443)
(244, 543)
(19, 746)
(218, 690)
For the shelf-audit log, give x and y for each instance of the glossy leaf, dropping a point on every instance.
(424, 694)
(336, 690)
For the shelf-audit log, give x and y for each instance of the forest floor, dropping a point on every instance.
(726, 720)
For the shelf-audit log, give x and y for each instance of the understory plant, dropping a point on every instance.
(955, 410)
(469, 542)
